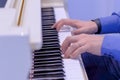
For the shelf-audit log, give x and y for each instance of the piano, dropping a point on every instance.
(29, 47)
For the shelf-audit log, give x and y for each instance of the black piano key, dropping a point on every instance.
(45, 27)
(60, 78)
(49, 37)
(48, 18)
(48, 24)
(50, 40)
(47, 14)
(47, 56)
(48, 67)
(47, 9)
(51, 70)
(44, 65)
(49, 74)
(47, 59)
(49, 63)
(48, 31)
(50, 48)
(40, 60)
(47, 71)
(2, 3)
(57, 45)
(48, 28)
(50, 43)
(49, 77)
(43, 55)
(47, 51)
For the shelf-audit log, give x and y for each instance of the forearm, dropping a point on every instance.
(110, 24)
(111, 46)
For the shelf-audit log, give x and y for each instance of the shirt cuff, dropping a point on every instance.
(97, 21)
(111, 46)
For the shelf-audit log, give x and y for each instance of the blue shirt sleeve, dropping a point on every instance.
(111, 45)
(110, 24)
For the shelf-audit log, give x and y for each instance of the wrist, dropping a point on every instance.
(98, 27)
(94, 27)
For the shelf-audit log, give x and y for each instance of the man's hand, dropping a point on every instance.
(78, 44)
(88, 27)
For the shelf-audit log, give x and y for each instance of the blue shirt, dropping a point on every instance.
(111, 42)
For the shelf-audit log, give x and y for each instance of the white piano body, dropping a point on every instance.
(20, 34)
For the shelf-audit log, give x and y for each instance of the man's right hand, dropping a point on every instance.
(88, 27)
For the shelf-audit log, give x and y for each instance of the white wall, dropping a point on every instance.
(91, 9)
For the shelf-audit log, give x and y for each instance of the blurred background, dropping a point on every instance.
(91, 9)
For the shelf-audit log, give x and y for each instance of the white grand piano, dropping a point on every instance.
(21, 33)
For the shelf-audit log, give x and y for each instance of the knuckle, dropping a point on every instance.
(84, 35)
(68, 38)
(88, 46)
(63, 20)
(73, 45)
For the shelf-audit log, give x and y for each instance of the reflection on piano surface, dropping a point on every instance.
(23, 36)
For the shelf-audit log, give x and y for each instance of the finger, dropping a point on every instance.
(71, 39)
(78, 31)
(66, 43)
(60, 25)
(62, 22)
(78, 51)
(56, 24)
(72, 48)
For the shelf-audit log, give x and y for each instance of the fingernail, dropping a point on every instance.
(52, 27)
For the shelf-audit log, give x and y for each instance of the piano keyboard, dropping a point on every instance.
(2, 3)
(48, 64)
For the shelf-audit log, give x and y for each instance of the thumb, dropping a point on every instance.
(77, 31)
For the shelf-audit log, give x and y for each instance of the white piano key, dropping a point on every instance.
(52, 3)
(60, 13)
(63, 35)
(73, 71)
